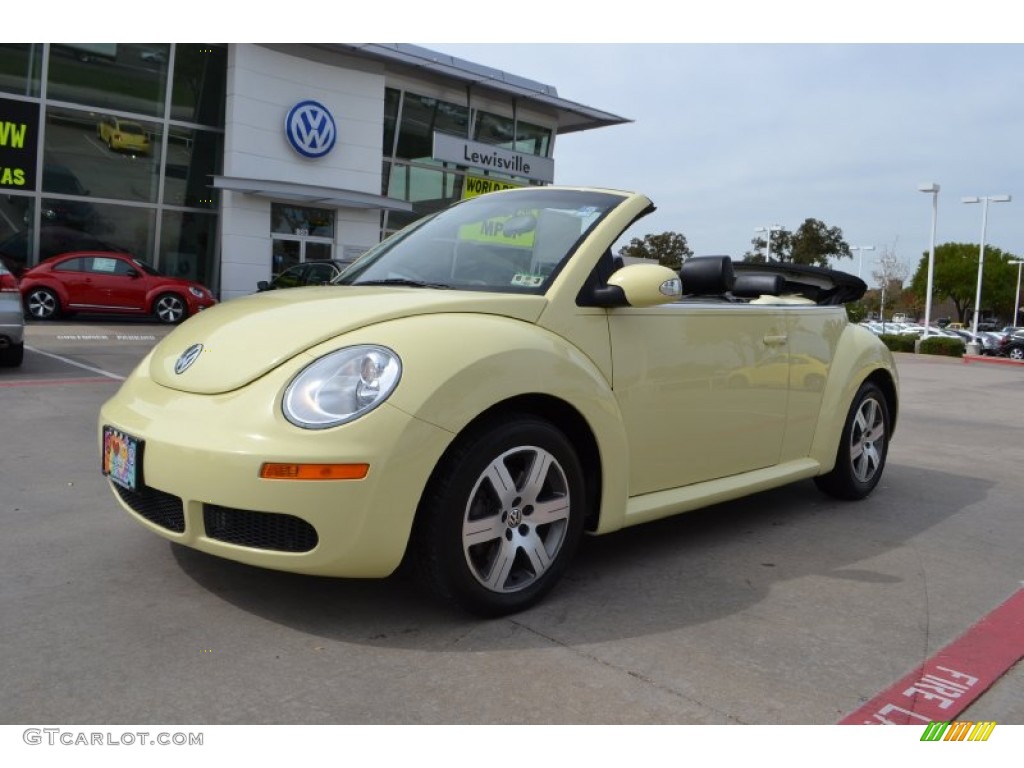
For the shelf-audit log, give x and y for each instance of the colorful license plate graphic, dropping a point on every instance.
(122, 458)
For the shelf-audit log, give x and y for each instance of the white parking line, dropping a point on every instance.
(100, 371)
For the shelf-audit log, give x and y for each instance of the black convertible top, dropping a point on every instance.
(820, 285)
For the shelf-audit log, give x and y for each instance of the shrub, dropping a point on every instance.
(940, 345)
(898, 342)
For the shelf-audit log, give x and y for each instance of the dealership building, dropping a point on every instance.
(229, 163)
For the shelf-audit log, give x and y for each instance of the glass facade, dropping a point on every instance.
(409, 171)
(116, 144)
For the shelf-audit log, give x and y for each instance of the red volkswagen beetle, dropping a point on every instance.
(115, 283)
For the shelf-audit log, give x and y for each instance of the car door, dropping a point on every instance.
(126, 287)
(77, 278)
(702, 390)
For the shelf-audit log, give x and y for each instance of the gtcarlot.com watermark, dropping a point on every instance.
(69, 738)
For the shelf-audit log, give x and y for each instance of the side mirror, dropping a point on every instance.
(647, 285)
(262, 285)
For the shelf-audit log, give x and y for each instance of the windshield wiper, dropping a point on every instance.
(402, 281)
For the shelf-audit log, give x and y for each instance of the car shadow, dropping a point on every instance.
(653, 578)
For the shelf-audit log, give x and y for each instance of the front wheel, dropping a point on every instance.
(501, 516)
(1017, 353)
(170, 308)
(863, 447)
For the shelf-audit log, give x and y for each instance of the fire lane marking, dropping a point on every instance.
(946, 684)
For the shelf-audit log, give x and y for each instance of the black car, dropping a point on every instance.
(308, 273)
(1012, 346)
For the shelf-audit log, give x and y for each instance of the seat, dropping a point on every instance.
(707, 276)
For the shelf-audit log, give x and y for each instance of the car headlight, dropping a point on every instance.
(341, 386)
(199, 293)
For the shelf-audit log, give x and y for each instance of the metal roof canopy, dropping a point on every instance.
(571, 116)
(309, 194)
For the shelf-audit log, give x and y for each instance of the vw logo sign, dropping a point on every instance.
(188, 357)
(310, 129)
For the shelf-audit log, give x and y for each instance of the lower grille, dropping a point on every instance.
(260, 530)
(158, 507)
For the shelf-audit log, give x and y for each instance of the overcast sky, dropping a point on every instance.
(726, 138)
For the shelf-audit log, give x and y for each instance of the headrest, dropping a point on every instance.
(751, 285)
(707, 275)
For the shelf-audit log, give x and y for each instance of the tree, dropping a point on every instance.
(889, 278)
(668, 249)
(956, 279)
(782, 246)
(813, 243)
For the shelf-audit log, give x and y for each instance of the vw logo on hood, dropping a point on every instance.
(188, 357)
(310, 129)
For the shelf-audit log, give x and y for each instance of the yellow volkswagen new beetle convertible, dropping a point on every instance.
(484, 387)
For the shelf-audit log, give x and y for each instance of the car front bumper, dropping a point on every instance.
(200, 465)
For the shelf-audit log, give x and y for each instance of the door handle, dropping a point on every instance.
(775, 341)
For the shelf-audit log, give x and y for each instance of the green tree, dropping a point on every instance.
(955, 279)
(782, 246)
(668, 249)
(813, 243)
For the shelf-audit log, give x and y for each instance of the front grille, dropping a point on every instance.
(158, 507)
(260, 530)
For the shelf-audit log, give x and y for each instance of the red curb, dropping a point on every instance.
(990, 359)
(950, 681)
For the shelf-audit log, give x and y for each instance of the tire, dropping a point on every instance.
(170, 308)
(863, 447)
(501, 517)
(1017, 353)
(42, 304)
(12, 356)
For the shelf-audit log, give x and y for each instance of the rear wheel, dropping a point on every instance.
(501, 517)
(863, 447)
(1017, 353)
(170, 308)
(42, 304)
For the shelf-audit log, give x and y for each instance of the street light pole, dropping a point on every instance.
(861, 248)
(769, 230)
(981, 251)
(1016, 296)
(933, 189)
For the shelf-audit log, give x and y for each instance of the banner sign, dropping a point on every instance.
(19, 131)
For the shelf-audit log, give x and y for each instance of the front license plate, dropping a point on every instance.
(122, 458)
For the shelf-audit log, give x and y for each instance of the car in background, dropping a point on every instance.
(109, 283)
(53, 241)
(307, 273)
(481, 389)
(12, 321)
(1012, 346)
(123, 135)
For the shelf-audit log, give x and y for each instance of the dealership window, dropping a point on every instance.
(391, 100)
(112, 76)
(200, 84)
(100, 155)
(421, 116)
(20, 67)
(193, 156)
(186, 246)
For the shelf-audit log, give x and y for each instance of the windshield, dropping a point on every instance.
(512, 242)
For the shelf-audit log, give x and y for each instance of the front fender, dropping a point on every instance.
(859, 355)
(456, 366)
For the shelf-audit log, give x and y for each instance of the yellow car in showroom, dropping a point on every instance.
(484, 387)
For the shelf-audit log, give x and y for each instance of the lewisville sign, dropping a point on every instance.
(452, 149)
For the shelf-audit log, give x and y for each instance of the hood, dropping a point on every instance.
(244, 338)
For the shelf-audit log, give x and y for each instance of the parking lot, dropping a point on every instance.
(784, 608)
